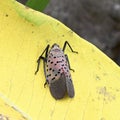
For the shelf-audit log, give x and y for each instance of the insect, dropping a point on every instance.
(57, 71)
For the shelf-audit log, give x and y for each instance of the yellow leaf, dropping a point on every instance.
(9, 111)
(24, 34)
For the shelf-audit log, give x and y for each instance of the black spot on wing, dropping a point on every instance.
(53, 78)
(59, 61)
(55, 74)
(50, 68)
(64, 67)
(49, 75)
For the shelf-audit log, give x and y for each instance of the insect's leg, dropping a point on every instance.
(38, 63)
(46, 82)
(43, 58)
(69, 63)
(44, 64)
(66, 43)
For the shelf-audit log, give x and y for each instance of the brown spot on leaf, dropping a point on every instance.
(6, 15)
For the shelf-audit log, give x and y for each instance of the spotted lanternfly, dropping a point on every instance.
(57, 71)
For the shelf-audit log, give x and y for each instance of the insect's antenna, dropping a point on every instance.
(67, 43)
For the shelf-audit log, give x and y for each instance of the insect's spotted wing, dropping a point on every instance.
(58, 87)
(70, 87)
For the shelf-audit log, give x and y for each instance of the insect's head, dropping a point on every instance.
(55, 47)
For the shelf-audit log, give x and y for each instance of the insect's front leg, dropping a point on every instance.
(38, 63)
(44, 64)
(67, 43)
(43, 58)
(46, 82)
(69, 63)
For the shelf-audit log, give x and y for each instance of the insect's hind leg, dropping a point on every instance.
(69, 63)
(67, 43)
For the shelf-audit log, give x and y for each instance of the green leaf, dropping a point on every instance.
(38, 5)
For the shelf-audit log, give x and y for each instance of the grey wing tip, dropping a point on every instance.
(71, 95)
(70, 88)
